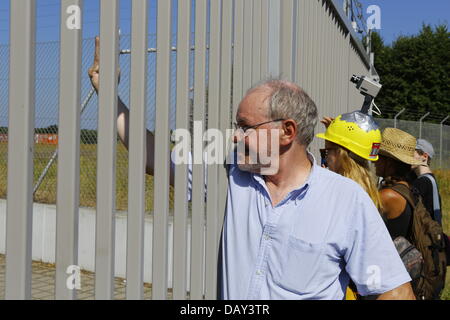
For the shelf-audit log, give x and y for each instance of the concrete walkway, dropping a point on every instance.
(43, 282)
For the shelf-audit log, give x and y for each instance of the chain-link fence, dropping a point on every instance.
(46, 123)
(438, 135)
(47, 104)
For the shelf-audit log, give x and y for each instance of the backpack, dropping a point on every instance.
(428, 237)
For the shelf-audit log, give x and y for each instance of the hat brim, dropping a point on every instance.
(323, 136)
(400, 157)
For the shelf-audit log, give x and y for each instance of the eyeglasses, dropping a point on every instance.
(246, 128)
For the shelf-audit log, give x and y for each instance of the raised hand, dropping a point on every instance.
(326, 121)
(95, 69)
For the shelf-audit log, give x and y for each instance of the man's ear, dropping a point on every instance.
(289, 132)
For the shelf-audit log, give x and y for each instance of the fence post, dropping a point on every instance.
(396, 116)
(162, 153)
(441, 140)
(137, 151)
(106, 151)
(19, 216)
(421, 120)
(68, 192)
(274, 37)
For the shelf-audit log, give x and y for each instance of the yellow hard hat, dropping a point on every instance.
(357, 132)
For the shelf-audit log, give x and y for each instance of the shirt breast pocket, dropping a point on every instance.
(301, 265)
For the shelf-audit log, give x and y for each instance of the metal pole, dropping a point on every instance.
(396, 116)
(274, 37)
(68, 193)
(19, 214)
(421, 119)
(441, 140)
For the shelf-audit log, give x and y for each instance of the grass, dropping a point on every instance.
(88, 178)
(443, 179)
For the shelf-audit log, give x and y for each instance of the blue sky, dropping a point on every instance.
(405, 17)
(399, 17)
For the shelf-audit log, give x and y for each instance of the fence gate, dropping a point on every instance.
(208, 54)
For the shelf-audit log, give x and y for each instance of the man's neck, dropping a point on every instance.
(423, 170)
(294, 169)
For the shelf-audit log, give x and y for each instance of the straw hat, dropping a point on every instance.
(398, 145)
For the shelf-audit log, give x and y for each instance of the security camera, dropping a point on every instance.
(368, 88)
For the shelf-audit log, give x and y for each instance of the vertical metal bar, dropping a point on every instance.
(161, 207)
(295, 24)
(20, 150)
(397, 115)
(300, 44)
(264, 38)
(348, 67)
(336, 60)
(225, 102)
(181, 170)
(328, 65)
(287, 8)
(421, 121)
(274, 37)
(198, 178)
(137, 151)
(256, 42)
(106, 150)
(212, 233)
(320, 85)
(248, 44)
(67, 202)
(238, 54)
(309, 47)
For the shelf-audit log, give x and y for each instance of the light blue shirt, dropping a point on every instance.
(322, 234)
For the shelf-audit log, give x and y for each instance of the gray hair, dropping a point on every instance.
(287, 100)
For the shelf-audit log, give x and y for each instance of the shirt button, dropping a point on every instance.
(258, 272)
(267, 237)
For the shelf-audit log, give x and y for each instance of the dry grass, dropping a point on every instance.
(443, 178)
(88, 179)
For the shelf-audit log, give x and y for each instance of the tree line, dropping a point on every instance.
(414, 71)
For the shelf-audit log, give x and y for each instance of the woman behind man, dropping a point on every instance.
(352, 140)
(394, 166)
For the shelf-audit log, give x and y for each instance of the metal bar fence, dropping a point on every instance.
(138, 151)
(20, 150)
(161, 193)
(247, 41)
(181, 172)
(67, 203)
(106, 152)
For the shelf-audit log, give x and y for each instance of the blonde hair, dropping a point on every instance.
(356, 168)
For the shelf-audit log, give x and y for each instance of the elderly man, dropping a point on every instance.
(301, 232)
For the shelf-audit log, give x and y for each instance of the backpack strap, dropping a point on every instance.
(405, 192)
(436, 205)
